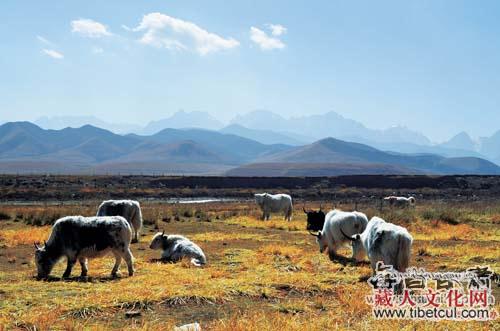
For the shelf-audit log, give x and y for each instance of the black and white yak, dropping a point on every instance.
(81, 238)
(176, 247)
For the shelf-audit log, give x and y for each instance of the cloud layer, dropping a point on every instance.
(164, 31)
(89, 28)
(168, 32)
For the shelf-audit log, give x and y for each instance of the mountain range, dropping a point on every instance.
(270, 128)
(27, 148)
(62, 122)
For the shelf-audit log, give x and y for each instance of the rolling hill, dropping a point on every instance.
(232, 148)
(341, 153)
(27, 148)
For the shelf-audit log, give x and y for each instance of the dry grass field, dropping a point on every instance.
(260, 275)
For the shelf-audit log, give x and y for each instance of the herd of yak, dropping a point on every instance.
(118, 224)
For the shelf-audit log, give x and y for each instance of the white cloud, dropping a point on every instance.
(277, 29)
(43, 40)
(168, 32)
(89, 28)
(53, 54)
(264, 41)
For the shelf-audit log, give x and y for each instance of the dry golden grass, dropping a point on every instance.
(261, 275)
(25, 236)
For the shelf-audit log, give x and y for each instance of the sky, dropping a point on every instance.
(429, 65)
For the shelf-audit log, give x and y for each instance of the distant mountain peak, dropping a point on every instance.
(329, 124)
(462, 141)
(184, 119)
(267, 137)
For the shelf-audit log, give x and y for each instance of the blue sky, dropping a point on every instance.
(430, 65)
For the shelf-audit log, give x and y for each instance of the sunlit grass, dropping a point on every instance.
(24, 236)
(277, 222)
(262, 275)
(221, 236)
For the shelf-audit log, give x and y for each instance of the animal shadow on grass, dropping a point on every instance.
(348, 260)
(184, 262)
(160, 260)
(364, 278)
(79, 279)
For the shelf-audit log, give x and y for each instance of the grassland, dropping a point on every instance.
(260, 276)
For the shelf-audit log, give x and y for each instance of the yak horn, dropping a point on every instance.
(314, 234)
(346, 236)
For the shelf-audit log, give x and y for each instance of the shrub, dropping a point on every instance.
(4, 216)
(449, 217)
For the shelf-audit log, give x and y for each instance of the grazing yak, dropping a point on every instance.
(315, 219)
(331, 236)
(176, 247)
(274, 203)
(382, 241)
(79, 238)
(129, 209)
(400, 201)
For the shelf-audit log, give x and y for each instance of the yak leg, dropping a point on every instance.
(129, 259)
(84, 265)
(332, 254)
(69, 267)
(118, 261)
(136, 236)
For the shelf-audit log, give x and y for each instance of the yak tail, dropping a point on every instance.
(137, 218)
(403, 255)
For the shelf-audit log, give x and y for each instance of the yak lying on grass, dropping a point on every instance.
(79, 238)
(176, 247)
(400, 202)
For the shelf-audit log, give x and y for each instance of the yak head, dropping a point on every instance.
(158, 241)
(44, 261)
(358, 249)
(259, 198)
(315, 219)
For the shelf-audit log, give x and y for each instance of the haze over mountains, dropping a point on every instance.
(27, 148)
(269, 128)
